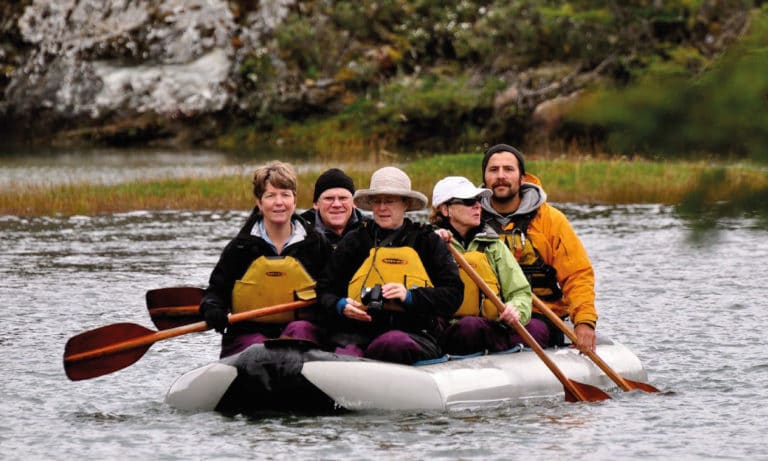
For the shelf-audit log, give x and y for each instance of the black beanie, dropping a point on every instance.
(503, 148)
(330, 179)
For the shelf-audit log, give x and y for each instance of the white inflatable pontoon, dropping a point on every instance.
(292, 379)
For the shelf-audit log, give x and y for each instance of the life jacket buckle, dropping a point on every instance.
(518, 251)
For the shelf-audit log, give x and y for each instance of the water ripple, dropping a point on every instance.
(692, 312)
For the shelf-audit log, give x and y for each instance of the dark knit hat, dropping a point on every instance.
(503, 148)
(330, 179)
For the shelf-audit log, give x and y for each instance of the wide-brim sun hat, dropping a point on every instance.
(390, 181)
(456, 187)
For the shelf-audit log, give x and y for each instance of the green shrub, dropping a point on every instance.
(724, 111)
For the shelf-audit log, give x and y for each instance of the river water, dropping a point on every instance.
(690, 309)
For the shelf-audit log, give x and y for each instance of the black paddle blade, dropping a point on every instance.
(174, 306)
(98, 352)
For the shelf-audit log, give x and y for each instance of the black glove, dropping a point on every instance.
(216, 318)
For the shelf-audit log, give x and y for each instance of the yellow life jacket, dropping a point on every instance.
(273, 280)
(520, 246)
(541, 276)
(475, 302)
(389, 265)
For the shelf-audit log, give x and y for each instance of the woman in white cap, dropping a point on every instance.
(391, 285)
(479, 326)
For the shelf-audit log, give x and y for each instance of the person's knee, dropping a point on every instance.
(297, 326)
(468, 335)
(539, 331)
(234, 345)
(394, 346)
(465, 326)
(392, 340)
(302, 329)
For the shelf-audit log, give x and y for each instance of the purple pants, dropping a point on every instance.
(469, 335)
(303, 329)
(235, 344)
(299, 329)
(401, 347)
(392, 346)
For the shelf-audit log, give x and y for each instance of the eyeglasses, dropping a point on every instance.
(386, 201)
(464, 201)
(332, 198)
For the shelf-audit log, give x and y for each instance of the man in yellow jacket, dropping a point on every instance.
(543, 242)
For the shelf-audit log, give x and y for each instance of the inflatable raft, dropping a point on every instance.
(286, 378)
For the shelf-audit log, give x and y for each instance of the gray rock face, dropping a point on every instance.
(185, 72)
(91, 58)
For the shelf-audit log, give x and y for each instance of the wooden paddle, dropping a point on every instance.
(174, 306)
(574, 391)
(625, 384)
(114, 347)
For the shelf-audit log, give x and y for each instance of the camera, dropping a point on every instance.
(372, 298)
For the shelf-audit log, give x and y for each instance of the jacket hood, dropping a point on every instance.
(532, 196)
(487, 233)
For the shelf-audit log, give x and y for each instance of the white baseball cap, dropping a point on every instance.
(456, 187)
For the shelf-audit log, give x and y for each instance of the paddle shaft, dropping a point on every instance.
(178, 331)
(175, 311)
(625, 384)
(570, 388)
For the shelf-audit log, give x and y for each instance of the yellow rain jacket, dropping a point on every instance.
(554, 239)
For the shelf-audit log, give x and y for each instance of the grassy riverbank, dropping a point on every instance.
(586, 180)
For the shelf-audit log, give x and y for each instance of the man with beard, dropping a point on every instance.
(543, 241)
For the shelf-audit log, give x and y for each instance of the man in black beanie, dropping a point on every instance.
(333, 213)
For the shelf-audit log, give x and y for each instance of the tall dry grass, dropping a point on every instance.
(585, 180)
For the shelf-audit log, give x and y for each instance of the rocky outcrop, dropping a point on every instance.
(180, 72)
(91, 62)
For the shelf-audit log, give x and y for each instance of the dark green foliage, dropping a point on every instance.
(705, 214)
(722, 111)
(307, 42)
(420, 69)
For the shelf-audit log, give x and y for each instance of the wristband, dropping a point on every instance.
(340, 305)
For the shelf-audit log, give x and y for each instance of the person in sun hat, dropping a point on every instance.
(333, 212)
(391, 285)
(390, 181)
(273, 240)
(543, 242)
(478, 326)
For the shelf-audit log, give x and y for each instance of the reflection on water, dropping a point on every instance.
(691, 312)
(111, 166)
(114, 166)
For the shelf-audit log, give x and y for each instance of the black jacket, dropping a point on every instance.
(312, 217)
(245, 248)
(442, 300)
